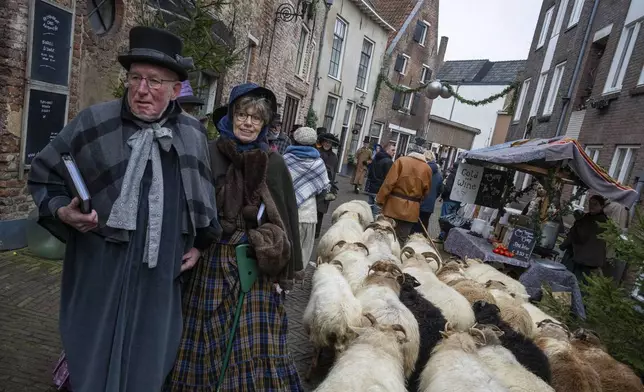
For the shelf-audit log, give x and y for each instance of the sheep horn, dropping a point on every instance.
(341, 244)
(339, 264)
(478, 331)
(398, 327)
(408, 251)
(373, 225)
(395, 271)
(431, 255)
(372, 319)
(392, 231)
(448, 326)
(363, 246)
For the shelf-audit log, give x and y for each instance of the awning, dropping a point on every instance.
(537, 156)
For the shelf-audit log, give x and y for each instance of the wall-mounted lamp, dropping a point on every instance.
(287, 12)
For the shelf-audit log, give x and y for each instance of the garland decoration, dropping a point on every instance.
(485, 101)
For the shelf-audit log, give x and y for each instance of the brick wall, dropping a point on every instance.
(419, 55)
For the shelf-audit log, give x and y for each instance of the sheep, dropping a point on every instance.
(522, 347)
(382, 240)
(537, 315)
(430, 324)
(361, 208)
(347, 229)
(331, 312)
(356, 265)
(379, 297)
(372, 363)
(614, 375)
(455, 308)
(450, 272)
(552, 329)
(505, 366)
(473, 291)
(484, 272)
(418, 244)
(570, 373)
(455, 366)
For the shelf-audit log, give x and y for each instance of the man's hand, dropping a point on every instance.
(190, 259)
(72, 216)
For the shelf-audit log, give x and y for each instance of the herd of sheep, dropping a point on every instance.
(401, 320)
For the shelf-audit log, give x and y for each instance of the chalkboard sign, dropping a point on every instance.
(522, 243)
(45, 119)
(51, 45)
(491, 189)
(466, 183)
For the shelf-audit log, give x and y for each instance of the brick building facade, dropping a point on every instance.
(413, 56)
(246, 26)
(584, 79)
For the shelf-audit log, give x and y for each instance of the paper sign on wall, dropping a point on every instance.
(467, 183)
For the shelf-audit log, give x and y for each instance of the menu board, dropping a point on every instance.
(51, 46)
(467, 182)
(45, 119)
(491, 189)
(522, 243)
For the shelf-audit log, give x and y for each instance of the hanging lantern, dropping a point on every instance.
(434, 89)
(445, 93)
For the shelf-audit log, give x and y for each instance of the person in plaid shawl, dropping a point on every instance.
(309, 180)
(147, 169)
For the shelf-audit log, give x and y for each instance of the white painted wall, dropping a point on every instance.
(481, 117)
(359, 27)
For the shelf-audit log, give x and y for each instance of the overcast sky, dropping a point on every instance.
(488, 29)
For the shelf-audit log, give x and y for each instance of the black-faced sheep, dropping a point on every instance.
(524, 349)
(430, 324)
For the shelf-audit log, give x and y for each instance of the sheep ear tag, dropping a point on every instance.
(247, 267)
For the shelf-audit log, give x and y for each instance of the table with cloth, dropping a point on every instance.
(462, 244)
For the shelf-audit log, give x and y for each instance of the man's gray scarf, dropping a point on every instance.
(145, 147)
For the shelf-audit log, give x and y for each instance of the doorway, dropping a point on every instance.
(291, 106)
(401, 146)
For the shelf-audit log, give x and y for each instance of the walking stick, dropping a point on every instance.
(430, 240)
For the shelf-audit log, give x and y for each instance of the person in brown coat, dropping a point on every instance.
(405, 187)
(363, 159)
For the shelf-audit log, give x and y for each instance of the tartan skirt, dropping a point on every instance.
(260, 360)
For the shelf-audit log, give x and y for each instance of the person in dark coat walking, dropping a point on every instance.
(427, 206)
(378, 170)
(449, 206)
(327, 141)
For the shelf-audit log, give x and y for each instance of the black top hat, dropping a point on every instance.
(155, 46)
(190, 100)
(367, 139)
(218, 114)
(329, 137)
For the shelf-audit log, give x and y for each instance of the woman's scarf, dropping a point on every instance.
(225, 128)
(308, 172)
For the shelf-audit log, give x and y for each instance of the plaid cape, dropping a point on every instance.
(96, 139)
(309, 175)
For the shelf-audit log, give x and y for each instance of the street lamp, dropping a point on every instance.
(287, 12)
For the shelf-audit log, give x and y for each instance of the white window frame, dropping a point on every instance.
(538, 94)
(423, 74)
(523, 94)
(593, 152)
(405, 64)
(425, 31)
(344, 45)
(641, 79)
(406, 109)
(299, 67)
(551, 99)
(310, 64)
(621, 58)
(627, 163)
(576, 13)
(366, 78)
(547, 19)
(335, 113)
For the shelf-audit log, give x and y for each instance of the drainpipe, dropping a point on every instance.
(316, 83)
(575, 74)
(638, 188)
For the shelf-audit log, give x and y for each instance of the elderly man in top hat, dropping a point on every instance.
(146, 166)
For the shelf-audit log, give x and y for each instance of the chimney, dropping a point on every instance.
(442, 48)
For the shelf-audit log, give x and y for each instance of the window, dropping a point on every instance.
(365, 64)
(301, 52)
(339, 33)
(576, 12)
(401, 63)
(407, 101)
(101, 15)
(622, 164)
(641, 80)
(361, 113)
(426, 75)
(250, 50)
(376, 131)
(329, 112)
(622, 56)
(545, 27)
(204, 86)
(521, 102)
(538, 93)
(593, 154)
(554, 88)
(420, 34)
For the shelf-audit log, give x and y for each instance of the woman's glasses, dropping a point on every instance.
(243, 117)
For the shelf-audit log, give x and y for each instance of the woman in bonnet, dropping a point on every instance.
(250, 181)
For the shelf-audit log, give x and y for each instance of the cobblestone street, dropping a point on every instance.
(29, 296)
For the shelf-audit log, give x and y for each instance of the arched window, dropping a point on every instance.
(101, 15)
